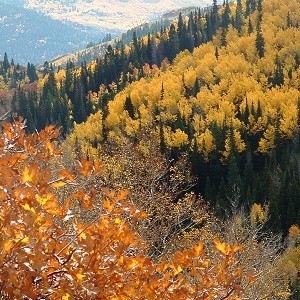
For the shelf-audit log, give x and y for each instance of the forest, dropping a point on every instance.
(178, 150)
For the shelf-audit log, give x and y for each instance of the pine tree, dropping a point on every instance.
(250, 27)
(259, 6)
(190, 34)
(173, 43)
(129, 107)
(223, 37)
(288, 20)
(239, 16)
(149, 49)
(208, 29)
(214, 17)
(259, 41)
(6, 64)
(226, 15)
(184, 42)
(31, 72)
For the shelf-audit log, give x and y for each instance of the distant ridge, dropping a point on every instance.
(27, 35)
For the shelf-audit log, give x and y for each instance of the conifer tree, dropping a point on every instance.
(173, 43)
(250, 27)
(6, 64)
(214, 17)
(239, 15)
(259, 41)
(226, 15)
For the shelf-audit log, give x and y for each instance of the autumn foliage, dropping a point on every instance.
(49, 250)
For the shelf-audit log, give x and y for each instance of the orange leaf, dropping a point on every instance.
(53, 208)
(66, 174)
(108, 206)
(122, 195)
(79, 195)
(199, 249)
(8, 246)
(85, 167)
(97, 167)
(29, 174)
(58, 184)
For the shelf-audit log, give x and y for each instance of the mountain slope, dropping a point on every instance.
(232, 104)
(114, 14)
(30, 36)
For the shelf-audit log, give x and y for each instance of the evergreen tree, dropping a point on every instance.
(288, 20)
(173, 43)
(239, 15)
(250, 27)
(223, 37)
(184, 41)
(259, 41)
(6, 64)
(190, 34)
(250, 7)
(31, 72)
(129, 107)
(149, 49)
(278, 77)
(259, 6)
(214, 17)
(208, 29)
(226, 16)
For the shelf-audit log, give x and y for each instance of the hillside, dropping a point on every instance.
(232, 104)
(167, 168)
(30, 36)
(111, 15)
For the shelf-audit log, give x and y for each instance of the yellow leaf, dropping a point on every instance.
(58, 184)
(132, 264)
(118, 221)
(7, 246)
(28, 208)
(25, 240)
(82, 236)
(42, 200)
(30, 174)
(177, 270)
(66, 297)
(27, 175)
(80, 276)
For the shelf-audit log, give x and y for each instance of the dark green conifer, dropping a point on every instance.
(259, 41)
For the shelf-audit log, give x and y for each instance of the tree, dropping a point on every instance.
(214, 17)
(226, 16)
(52, 251)
(259, 41)
(261, 250)
(6, 64)
(239, 15)
(173, 43)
